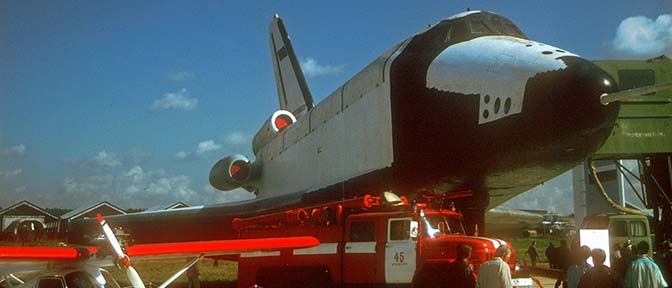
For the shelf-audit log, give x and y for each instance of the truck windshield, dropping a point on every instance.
(435, 225)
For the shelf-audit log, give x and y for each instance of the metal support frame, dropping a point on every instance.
(656, 178)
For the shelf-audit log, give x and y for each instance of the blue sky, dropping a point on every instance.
(134, 101)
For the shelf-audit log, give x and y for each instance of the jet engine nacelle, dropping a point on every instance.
(280, 120)
(232, 172)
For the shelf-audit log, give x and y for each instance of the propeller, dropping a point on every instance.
(605, 99)
(121, 257)
(180, 272)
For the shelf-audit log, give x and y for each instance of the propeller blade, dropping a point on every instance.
(110, 237)
(134, 277)
(605, 99)
(180, 272)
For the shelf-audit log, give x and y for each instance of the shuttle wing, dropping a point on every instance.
(293, 92)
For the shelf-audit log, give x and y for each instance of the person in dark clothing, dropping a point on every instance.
(563, 261)
(619, 266)
(532, 251)
(579, 267)
(600, 275)
(550, 255)
(461, 271)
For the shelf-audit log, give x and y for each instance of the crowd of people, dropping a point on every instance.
(631, 268)
(460, 273)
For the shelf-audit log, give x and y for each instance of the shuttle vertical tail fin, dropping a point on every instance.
(293, 92)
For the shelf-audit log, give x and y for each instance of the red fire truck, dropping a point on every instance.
(364, 242)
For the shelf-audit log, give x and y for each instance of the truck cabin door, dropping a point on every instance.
(400, 250)
(360, 263)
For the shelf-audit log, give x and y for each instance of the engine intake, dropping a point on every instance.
(232, 172)
(278, 122)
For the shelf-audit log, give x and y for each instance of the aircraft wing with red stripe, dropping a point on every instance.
(29, 259)
(45, 253)
(217, 248)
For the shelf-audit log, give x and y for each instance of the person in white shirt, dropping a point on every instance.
(496, 272)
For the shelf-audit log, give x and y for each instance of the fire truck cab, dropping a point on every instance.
(371, 245)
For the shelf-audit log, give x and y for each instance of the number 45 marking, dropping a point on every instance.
(399, 257)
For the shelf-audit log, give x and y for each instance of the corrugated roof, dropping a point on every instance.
(168, 207)
(31, 205)
(87, 208)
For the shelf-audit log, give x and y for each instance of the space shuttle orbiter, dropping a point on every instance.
(467, 104)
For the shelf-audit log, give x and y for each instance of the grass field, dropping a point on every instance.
(222, 275)
(521, 245)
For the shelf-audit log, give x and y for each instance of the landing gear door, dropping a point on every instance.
(400, 252)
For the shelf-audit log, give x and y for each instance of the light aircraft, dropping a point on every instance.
(60, 267)
(509, 222)
(468, 104)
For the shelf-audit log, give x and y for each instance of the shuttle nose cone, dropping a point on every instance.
(571, 99)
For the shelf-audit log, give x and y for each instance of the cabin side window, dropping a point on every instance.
(400, 229)
(637, 229)
(362, 231)
(618, 229)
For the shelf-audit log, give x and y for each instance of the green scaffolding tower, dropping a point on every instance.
(643, 132)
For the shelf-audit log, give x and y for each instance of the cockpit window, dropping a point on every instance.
(109, 281)
(510, 29)
(50, 283)
(478, 27)
(448, 34)
(78, 279)
(493, 24)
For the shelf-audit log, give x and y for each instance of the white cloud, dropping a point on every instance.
(179, 100)
(236, 138)
(235, 195)
(182, 155)
(207, 146)
(556, 196)
(11, 172)
(641, 36)
(21, 189)
(181, 76)
(115, 178)
(136, 173)
(133, 187)
(106, 159)
(311, 68)
(17, 150)
(229, 141)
